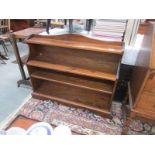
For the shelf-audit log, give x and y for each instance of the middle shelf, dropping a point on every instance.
(74, 70)
(97, 85)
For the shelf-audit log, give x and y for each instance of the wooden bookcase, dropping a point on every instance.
(74, 70)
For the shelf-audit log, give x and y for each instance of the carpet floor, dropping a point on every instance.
(80, 120)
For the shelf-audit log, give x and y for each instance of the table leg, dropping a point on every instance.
(19, 62)
(48, 25)
(70, 25)
(5, 49)
(1, 59)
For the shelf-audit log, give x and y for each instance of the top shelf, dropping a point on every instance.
(77, 42)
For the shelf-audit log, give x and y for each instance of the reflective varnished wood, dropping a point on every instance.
(142, 84)
(22, 34)
(75, 70)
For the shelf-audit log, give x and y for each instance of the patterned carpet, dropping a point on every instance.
(80, 120)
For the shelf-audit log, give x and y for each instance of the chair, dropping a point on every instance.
(4, 26)
(2, 57)
(5, 55)
(2, 42)
(4, 36)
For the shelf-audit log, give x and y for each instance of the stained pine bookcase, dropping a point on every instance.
(74, 70)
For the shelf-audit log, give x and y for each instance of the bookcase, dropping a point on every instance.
(74, 70)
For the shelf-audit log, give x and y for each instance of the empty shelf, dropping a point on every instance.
(74, 70)
(74, 80)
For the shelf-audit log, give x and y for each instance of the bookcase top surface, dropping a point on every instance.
(76, 41)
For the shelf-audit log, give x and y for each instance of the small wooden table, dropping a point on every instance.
(23, 34)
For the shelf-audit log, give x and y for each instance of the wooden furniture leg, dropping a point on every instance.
(124, 104)
(24, 80)
(48, 25)
(2, 61)
(70, 25)
(5, 48)
(127, 123)
(65, 21)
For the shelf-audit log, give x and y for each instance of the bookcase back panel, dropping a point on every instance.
(150, 83)
(103, 62)
(147, 103)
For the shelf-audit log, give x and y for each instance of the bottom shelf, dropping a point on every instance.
(91, 100)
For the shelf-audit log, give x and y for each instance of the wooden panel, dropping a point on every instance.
(27, 32)
(101, 112)
(74, 94)
(75, 41)
(144, 116)
(152, 62)
(146, 56)
(150, 83)
(137, 81)
(74, 80)
(78, 58)
(143, 58)
(142, 28)
(82, 39)
(140, 71)
(19, 24)
(147, 103)
(79, 71)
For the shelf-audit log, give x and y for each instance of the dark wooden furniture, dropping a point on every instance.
(74, 70)
(142, 85)
(20, 24)
(25, 123)
(142, 28)
(22, 34)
